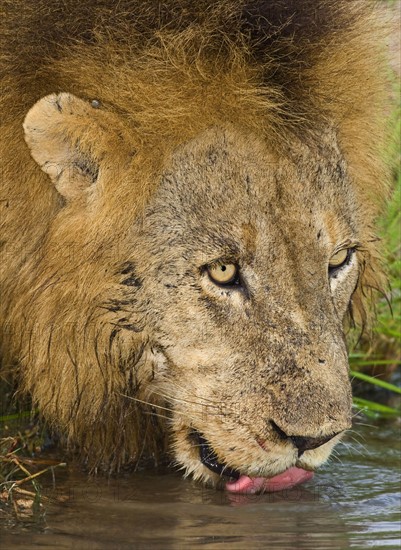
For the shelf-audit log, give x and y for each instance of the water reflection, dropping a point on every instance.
(354, 502)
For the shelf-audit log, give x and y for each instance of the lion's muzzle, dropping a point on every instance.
(300, 442)
(241, 483)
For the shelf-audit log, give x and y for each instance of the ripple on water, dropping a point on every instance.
(353, 502)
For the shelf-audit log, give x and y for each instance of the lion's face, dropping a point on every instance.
(221, 303)
(247, 290)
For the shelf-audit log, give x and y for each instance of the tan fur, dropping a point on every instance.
(199, 148)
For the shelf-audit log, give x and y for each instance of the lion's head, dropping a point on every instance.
(202, 252)
(224, 300)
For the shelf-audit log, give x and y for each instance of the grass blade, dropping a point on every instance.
(375, 381)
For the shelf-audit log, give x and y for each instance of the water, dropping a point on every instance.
(353, 502)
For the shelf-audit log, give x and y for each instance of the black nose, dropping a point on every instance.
(303, 443)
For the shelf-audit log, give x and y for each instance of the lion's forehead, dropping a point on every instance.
(226, 184)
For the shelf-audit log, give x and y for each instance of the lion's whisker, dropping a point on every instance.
(147, 403)
(181, 400)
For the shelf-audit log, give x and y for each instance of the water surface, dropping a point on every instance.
(353, 502)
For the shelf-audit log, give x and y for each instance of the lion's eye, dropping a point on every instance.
(223, 274)
(340, 258)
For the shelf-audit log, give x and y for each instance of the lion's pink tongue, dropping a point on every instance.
(291, 477)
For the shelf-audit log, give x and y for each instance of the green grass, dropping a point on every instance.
(379, 355)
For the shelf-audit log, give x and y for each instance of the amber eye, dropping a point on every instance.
(223, 274)
(340, 258)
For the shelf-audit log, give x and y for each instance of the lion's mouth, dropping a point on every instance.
(241, 483)
(209, 459)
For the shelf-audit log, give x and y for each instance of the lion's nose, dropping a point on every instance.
(306, 443)
(303, 443)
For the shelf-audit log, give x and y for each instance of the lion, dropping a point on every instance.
(189, 197)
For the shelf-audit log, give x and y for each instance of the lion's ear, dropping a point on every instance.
(68, 138)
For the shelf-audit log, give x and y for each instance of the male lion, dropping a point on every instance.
(189, 192)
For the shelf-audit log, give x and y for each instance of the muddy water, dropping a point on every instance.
(353, 502)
